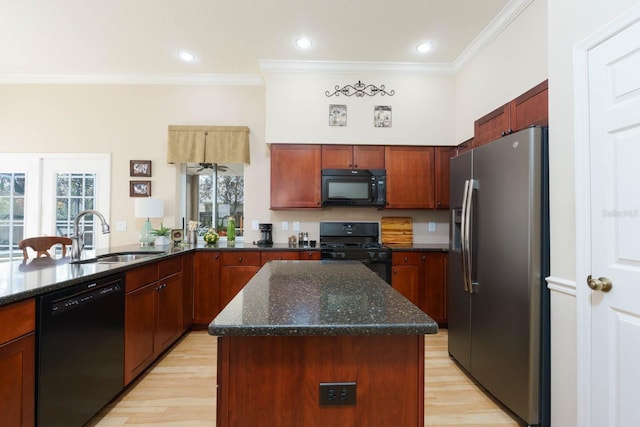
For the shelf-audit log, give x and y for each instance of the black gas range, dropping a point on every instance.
(356, 241)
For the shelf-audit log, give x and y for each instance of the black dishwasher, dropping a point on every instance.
(80, 353)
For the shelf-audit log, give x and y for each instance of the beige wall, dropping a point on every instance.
(515, 61)
(130, 122)
(423, 109)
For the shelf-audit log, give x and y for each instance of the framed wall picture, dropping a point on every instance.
(337, 115)
(176, 236)
(140, 168)
(382, 116)
(139, 188)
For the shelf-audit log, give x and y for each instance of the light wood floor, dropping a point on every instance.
(180, 390)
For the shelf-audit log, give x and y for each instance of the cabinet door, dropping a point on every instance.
(368, 157)
(337, 157)
(406, 280)
(237, 268)
(295, 176)
(492, 126)
(530, 108)
(169, 311)
(434, 289)
(206, 283)
(17, 381)
(139, 327)
(405, 275)
(233, 279)
(410, 177)
(443, 156)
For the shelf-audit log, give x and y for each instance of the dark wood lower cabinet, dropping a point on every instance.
(17, 381)
(421, 276)
(17, 363)
(153, 313)
(274, 380)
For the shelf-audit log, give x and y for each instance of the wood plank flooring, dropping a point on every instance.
(179, 390)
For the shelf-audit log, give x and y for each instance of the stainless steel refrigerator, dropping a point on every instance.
(498, 302)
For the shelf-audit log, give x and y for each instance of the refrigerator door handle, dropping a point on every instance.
(463, 236)
(467, 269)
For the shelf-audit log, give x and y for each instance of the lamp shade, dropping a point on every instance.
(146, 207)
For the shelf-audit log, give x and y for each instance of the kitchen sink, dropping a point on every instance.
(119, 257)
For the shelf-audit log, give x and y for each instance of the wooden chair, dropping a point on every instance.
(42, 245)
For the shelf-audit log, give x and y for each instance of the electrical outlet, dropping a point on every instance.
(296, 225)
(254, 225)
(121, 225)
(338, 394)
(432, 227)
(285, 225)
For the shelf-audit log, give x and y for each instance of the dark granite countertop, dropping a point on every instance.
(319, 298)
(20, 280)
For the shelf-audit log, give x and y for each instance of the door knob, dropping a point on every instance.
(603, 284)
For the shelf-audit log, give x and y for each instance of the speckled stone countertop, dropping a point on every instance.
(287, 298)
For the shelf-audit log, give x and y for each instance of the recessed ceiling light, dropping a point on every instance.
(303, 42)
(186, 56)
(424, 47)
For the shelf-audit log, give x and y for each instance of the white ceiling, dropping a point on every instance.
(139, 39)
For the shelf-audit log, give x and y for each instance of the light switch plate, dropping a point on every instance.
(121, 225)
(254, 225)
(296, 225)
(432, 227)
(285, 225)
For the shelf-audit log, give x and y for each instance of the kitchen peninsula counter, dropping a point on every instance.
(319, 343)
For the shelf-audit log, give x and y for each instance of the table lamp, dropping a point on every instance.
(146, 207)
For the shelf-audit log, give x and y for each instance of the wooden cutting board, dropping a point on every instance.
(396, 229)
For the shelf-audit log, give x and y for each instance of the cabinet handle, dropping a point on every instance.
(355, 166)
(239, 259)
(424, 257)
(217, 256)
(406, 259)
(395, 271)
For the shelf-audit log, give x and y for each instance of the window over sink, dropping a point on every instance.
(215, 192)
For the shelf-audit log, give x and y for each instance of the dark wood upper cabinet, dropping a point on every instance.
(530, 108)
(295, 176)
(410, 177)
(352, 157)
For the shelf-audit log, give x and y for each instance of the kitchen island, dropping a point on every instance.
(319, 343)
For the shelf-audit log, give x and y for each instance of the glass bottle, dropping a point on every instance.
(231, 229)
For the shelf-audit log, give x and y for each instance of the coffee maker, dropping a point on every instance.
(266, 238)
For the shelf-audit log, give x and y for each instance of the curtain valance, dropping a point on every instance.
(208, 144)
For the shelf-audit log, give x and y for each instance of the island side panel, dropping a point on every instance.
(277, 378)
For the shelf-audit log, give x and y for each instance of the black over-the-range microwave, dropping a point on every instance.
(354, 187)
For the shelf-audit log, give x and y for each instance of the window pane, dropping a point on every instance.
(69, 204)
(11, 212)
(222, 183)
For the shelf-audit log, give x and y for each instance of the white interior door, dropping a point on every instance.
(614, 168)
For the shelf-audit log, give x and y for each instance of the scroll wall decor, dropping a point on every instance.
(360, 89)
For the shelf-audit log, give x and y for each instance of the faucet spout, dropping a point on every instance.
(77, 240)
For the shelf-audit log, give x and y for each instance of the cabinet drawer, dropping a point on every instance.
(405, 258)
(141, 276)
(266, 256)
(241, 258)
(170, 266)
(310, 255)
(17, 319)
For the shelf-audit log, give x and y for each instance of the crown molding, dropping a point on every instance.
(346, 67)
(136, 79)
(490, 32)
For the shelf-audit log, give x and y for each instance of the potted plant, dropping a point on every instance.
(162, 234)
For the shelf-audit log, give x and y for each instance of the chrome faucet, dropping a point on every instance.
(77, 240)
